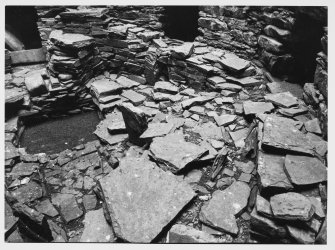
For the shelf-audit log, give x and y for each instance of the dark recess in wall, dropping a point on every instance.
(181, 22)
(21, 21)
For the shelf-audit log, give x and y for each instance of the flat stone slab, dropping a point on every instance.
(165, 87)
(219, 212)
(126, 82)
(23, 169)
(282, 133)
(233, 63)
(117, 127)
(229, 86)
(70, 40)
(208, 130)
(105, 87)
(11, 151)
(304, 170)
(271, 171)
(263, 206)
(142, 199)
(185, 234)
(195, 101)
(134, 97)
(10, 219)
(291, 206)
(96, 228)
(157, 129)
(45, 207)
(291, 112)
(280, 87)
(245, 81)
(313, 126)
(239, 137)
(28, 193)
(251, 108)
(68, 206)
(303, 236)
(173, 150)
(284, 99)
(225, 119)
(182, 51)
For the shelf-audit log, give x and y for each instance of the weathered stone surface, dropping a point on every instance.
(23, 169)
(318, 207)
(246, 167)
(271, 171)
(284, 99)
(266, 226)
(68, 206)
(225, 119)
(304, 170)
(165, 87)
(135, 120)
(233, 63)
(208, 130)
(14, 95)
(126, 82)
(96, 228)
(35, 84)
(196, 101)
(45, 207)
(291, 206)
(257, 107)
(239, 137)
(309, 94)
(282, 133)
(198, 110)
(10, 219)
(291, 112)
(245, 81)
(105, 87)
(270, 44)
(313, 126)
(219, 212)
(134, 97)
(142, 199)
(185, 234)
(193, 176)
(320, 145)
(183, 51)
(157, 129)
(89, 201)
(303, 236)
(263, 207)
(11, 151)
(27, 193)
(321, 238)
(70, 40)
(173, 150)
(280, 87)
(229, 86)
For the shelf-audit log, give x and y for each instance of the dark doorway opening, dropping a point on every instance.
(21, 21)
(181, 22)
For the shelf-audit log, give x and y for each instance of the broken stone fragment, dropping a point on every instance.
(303, 236)
(35, 84)
(136, 122)
(117, 127)
(271, 171)
(263, 207)
(233, 63)
(104, 88)
(270, 44)
(68, 206)
(257, 107)
(284, 99)
(245, 81)
(185, 234)
(225, 119)
(165, 87)
(45, 207)
(291, 112)
(157, 129)
(126, 83)
(183, 51)
(173, 150)
(69, 40)
(142, 199)
(89, 201)
(304, 170)
(23, 169)
(196, 101)
(313, 126)
(96, 228)
(292, 206)
(280, 87)
(27, 193)
(134, 97)
(239, 137)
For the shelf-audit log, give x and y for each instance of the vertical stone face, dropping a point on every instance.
(136, 122)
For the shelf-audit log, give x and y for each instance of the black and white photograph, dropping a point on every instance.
(163, 123)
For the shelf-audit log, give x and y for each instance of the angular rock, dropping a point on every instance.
(157, 129)
(96, 228)
(68, 40)
(45, 207)
(174, 151)
(291, 112)
(302, 236)
(229, 86)
(165, 87)
(135, 120)
(126, 82)
(270, 44)
(257, 107)
(239, 137)
(271, 171)
(225, 119)
(247, 167)
(208, 130)
(284, 99)
(89, 201)
(280, 87)
(185, 234)
(134, 97)
(313, 126)
(105, 87)
(321, 238)
(291, 206)
(142, 199)
(193, 176)
(196, 101)
(283, 134)
(183, 51)
(10, 219)
(304, 170)
(68, 206)
(263, 207)
(245, 81)
(27, 193)
(233, 63)
(35, 84)
(117, 127)
(320, 145)
(23, 169)
(318, 207)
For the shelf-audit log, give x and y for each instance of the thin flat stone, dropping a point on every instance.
(245, 81)
(23, 169)
(96, 228)
(283, 133)
(271, 171)
(239, 137)
(313, 126)
(165, 87)
(279, 87)
(89, 201)
(70, 40)
(10, 219)
(175, 151)
(117, 127)
(68, 206)
(134, 97)
(157, 129)
(185, 234)
(257, 107)
(291, 206)
(229, 86)
(284, 99)
(182, 51)
(142, 199)
(28, 193)
(304, 170)
(225, 119)
(208, 130)
(302, 236)
(126, 82)
(263, 207)
(291, 112)
(318, 207)
(246, 167)
(233, 63)
(196, 101)
(45, 207)
(104, 87)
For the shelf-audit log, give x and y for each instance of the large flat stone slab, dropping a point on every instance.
(96, 228)
(284, 99)
(105, 87)
(68, 206)
(142, 199)
(233, 63)
(157, 129)
(291, 206)
(245, 81)
(196, 101)
(165, 87)
(173, 150)
(271, 171)
(225, 119)
(304, 170)
(283, 134)
(251, 108)
(70, 40)
(134, 97)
